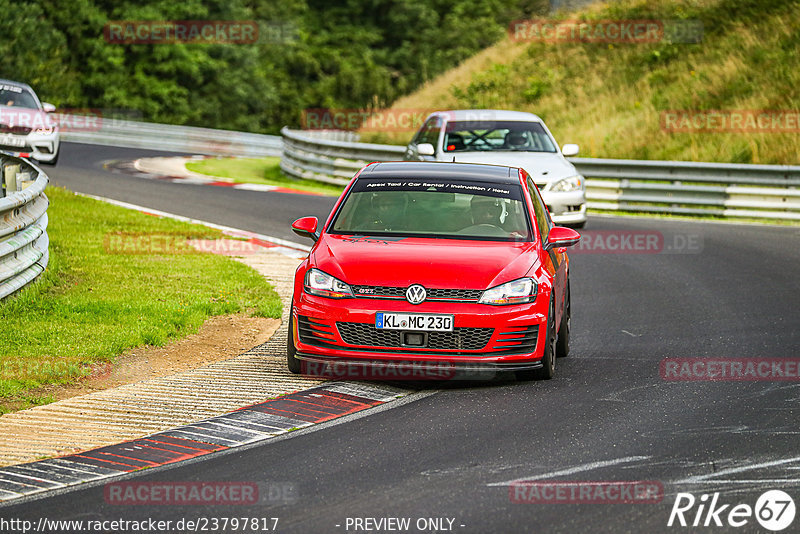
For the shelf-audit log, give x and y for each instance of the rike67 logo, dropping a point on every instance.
(774, 510)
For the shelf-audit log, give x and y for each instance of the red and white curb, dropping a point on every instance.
(251, 424)
(183, 176)
(281, 246)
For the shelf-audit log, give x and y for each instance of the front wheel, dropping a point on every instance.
(562, 346)
(291, 361)
(549, 359)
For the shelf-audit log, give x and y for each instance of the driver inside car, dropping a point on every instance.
(387, 212)
(486, 210)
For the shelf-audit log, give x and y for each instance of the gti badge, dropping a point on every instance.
(416, 294)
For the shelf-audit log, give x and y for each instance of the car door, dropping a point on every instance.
(555, 262)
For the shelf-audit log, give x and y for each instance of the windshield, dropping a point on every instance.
(463, 136)
(435, 208)
(16, 96)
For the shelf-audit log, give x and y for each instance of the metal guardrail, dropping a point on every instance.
(674, 187)
(171, 138)
(330, 156)
(692, 188)
(23, 223)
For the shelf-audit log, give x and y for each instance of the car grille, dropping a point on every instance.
(367, 335)
(434, 294)
(18, 130)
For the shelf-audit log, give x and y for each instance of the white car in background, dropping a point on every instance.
(26, 125)
(510, 138)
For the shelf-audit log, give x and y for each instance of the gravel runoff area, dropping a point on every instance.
(142, 408)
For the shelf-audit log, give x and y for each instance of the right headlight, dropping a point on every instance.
(322, 284)
(571, 183)
(514, 292)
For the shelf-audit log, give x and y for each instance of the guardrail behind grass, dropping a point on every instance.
(23, 223)
(673, 187)
(171, 138)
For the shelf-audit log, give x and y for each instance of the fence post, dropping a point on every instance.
(10, 175)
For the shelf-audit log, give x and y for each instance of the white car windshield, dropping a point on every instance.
(468, 136)
(16, 96)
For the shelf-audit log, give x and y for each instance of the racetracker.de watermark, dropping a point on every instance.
(586, 492)
(199, 493)
(392, 370)
(731, 121)
(145, 243)
(26, 369)
(636, 242)
(383, 120)
(730, 369)
(181, 31)
(639, 31)
(65, 119)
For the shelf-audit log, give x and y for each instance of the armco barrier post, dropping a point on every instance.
(10, 178)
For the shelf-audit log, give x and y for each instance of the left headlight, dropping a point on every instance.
(571, 183)
(324, 285)
(514, 292)
(45, 130)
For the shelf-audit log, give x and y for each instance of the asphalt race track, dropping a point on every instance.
(450, 451)
(81, 169)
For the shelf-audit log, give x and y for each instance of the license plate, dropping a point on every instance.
(414, 321)
(11, 140)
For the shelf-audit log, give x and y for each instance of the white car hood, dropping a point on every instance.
(544, 167)
(19, 116)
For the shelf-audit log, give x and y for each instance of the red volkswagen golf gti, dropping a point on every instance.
(433, 264)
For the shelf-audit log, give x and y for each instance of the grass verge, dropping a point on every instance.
(258, 171)
(96, 300)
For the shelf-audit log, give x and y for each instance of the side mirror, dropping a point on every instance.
(425, 149)
(48, 107)
(306, 227)
(570, 150)
(561, 236)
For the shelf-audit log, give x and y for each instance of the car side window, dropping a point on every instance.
(542, 215)
(429, 133)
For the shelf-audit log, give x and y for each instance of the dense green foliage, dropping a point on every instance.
(311, 54)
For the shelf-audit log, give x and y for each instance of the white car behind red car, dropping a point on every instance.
(26, 126)
(511, 138)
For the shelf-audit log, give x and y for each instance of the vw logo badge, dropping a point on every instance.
(416, 294)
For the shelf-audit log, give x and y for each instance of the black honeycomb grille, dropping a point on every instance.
(366, 335)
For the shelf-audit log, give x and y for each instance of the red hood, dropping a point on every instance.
(442, 263)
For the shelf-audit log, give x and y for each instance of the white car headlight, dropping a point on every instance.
(324, 285)
(514, 292)
(571, 183)
(47, 130)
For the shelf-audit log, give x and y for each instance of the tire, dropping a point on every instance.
(292, 363)
(576, 226)
(549, 359)
(562, 346)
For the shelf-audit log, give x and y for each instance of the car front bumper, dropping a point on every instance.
(566, 207)
(41, 147)
(484, 338)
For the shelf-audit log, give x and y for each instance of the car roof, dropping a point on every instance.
(473, 172)
(20, 84)
(488, 115)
